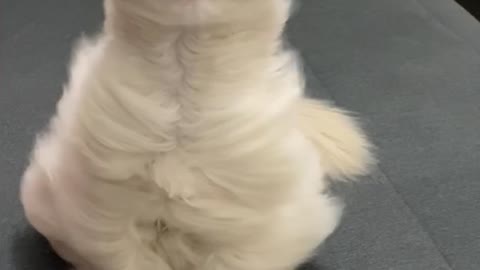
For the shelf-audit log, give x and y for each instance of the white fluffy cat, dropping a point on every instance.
(183, 142)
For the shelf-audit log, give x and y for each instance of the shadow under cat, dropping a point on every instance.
(31, 251)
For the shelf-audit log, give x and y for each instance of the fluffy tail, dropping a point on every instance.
(343, 146)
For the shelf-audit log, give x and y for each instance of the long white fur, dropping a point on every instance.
(183, 141)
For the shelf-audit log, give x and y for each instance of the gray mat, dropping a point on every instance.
(411, 68)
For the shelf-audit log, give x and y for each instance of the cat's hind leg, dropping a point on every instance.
(38, 201)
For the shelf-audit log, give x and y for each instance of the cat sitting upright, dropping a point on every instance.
(183, 141)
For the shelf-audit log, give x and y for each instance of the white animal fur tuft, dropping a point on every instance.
(344, 149)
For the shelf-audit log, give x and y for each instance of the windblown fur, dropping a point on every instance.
(183, 141)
